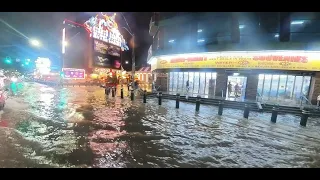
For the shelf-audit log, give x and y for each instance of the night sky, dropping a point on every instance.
(46, 27)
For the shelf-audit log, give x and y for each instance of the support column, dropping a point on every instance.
(314, 88)
(221, 84)
(252, 86)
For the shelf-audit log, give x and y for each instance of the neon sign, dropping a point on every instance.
(104, 28)
(71, 73)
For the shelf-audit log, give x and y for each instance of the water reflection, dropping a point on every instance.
(80, 127)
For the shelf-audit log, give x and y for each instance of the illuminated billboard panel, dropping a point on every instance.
(71, 73)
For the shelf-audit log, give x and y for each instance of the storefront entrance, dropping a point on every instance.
(236, 87)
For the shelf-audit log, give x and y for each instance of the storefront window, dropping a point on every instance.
(290, 85)
(202, 82)
(170, 81)
(208, 77)
(298, 88)
(306, 85)
(266, 86)
(191, 77)
(180, 82)
(282, 86)
(196, 83)
(260, 84)
(175, 81)
(185, 79)
(274, 86)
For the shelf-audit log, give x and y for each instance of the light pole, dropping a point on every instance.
(133, 56)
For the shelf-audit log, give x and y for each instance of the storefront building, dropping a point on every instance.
(275, 69)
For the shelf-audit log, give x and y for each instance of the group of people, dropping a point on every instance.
(237, 90)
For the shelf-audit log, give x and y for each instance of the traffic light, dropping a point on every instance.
(8, 60)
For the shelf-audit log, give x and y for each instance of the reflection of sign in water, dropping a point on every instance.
(43, 65)
(105, 48)
(71, 73)
(282, 60)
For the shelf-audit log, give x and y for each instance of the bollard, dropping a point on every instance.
(246, 111)
(198, 103)
(121, 93)
(160, 98)
(144, 96)
(274, 115)
(304, 117)
(113, 91)
(177, 100)
(220, 110)
(132, 95)
(106, 91)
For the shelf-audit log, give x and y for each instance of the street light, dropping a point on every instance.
(35, 42)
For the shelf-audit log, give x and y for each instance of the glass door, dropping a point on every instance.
(236, 87)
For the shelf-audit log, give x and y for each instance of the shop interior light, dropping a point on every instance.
(236, 74)
(200, 40)
(241, 26)
(199, 30)
(171, 41)
(297, 22)
(276, 35)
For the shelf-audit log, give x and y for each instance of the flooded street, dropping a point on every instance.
(79, 127)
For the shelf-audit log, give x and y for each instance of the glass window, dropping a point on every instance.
(170, 81)
(175, 81)
(266, 85)
(191, 76)
(282, 86)
(202, 82)
(260, 83)
(185, 79)
(298, 87)
(180, 82)
(289, 88)
(208, 77)
(306, 85)
(196, 83)
(274, 85)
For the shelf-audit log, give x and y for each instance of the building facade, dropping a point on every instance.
(270, 56)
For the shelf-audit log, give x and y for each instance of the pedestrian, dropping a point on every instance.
(236, 90)
(187, 89)
(229, 88)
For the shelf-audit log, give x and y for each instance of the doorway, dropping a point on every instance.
(236, 87)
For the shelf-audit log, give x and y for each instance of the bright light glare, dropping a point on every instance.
(236, 74)
(127, 62)
(200, 40)
(297, 22)
(199, 30)
(171, 41)
(63, 40)
(277, 35)
(65, 43)
(35, 42)
(241, 26)
(14, 79)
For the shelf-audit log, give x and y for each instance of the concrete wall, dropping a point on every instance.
(252, 86)
(314, 88)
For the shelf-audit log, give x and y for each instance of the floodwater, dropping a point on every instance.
(79, 127)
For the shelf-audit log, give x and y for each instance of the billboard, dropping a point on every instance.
(275, 60)
(71, 73)
(106, 55)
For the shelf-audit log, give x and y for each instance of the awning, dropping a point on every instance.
(145, 69)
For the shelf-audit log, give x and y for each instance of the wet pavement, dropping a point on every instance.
(79, 127)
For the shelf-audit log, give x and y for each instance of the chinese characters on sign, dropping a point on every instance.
(289, 60)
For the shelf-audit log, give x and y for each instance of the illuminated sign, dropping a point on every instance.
(105, 28)
(71, 73)
(43, 65)
(104, 48)
(281, 60)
